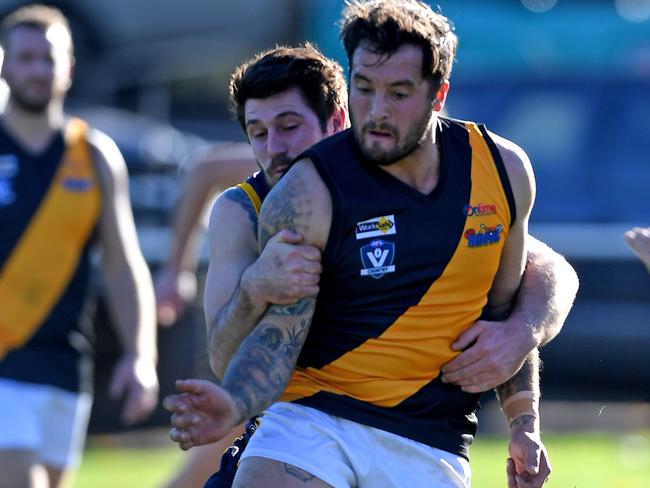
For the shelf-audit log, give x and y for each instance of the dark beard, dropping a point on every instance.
(35, 108)
(413, 141)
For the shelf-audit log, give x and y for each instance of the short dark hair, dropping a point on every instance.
(36, 16)
(320, 80)
(383, 26)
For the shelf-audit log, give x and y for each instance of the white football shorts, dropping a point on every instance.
(347, 454)
(49, 421)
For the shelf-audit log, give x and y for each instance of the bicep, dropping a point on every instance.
(300, 202)
(514, 253)
(232, 247)
(117, 233)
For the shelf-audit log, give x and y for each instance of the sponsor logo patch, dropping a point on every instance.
(377, 227)
(479, 209)
(8, 166)
(8, 169)
(77, 184)
(484, 236)
(7, 195)
(73, 179)
(377, 258)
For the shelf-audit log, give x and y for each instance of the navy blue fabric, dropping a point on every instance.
(55, 354)
(230, 459)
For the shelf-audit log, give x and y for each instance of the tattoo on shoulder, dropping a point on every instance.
(240, 197)
(288, 208)
(296, 472)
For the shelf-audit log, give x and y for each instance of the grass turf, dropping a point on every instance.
(583, 460)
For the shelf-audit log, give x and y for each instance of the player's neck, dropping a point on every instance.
(33, 131)
(421, 168)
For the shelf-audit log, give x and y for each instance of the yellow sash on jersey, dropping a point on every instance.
(45, 257)
(252, 195)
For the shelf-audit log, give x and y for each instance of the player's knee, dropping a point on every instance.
(22, 469)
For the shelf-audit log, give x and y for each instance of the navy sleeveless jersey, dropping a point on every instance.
(404, 274)
(56, 354)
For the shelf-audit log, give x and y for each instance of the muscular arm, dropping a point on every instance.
(222, 166)
(519, 396)
(261, 369)
(546, 295)
(240, 285)
(230, 311)
(128, 283)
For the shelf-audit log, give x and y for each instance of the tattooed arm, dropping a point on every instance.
(233, 248)
(240, 285)
(528, 464)
(261, 369)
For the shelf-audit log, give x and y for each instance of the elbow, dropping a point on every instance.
(217, 368)
(215, 357)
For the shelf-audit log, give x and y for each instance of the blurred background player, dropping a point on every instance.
(219, 167)
(64, 188)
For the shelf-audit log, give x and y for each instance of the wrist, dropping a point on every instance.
(249, 289)
(136, 355)
(522, 405)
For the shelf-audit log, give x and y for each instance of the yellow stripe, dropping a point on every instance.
(41, 265)
(388, 369)
(252, 195)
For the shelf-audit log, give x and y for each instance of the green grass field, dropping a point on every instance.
(579, 461)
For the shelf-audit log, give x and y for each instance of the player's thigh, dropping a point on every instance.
(64, 421)
(20, 427)
(258, 471)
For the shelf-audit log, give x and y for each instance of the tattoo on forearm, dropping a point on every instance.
(289, 207)
(527, 378)
(261, 369)
(296, 472)
(240, 197)
(224, 340)
(298, 308)
(523, 420)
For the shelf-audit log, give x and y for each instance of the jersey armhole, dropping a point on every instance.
(333, 239)
(501, 170)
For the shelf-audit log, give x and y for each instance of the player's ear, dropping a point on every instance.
(441, 96)
(337, 122)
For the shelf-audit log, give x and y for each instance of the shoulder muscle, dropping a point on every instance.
(301, 202)
(520, 173)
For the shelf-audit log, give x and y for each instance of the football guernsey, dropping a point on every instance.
(404, 275)
(49, 207)
(256, 187)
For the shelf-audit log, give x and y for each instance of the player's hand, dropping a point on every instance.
(174, 289)
(285, 271)
(528, 465)
(639, 241)
(202, 413)
(491, 353)
(135, 379)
